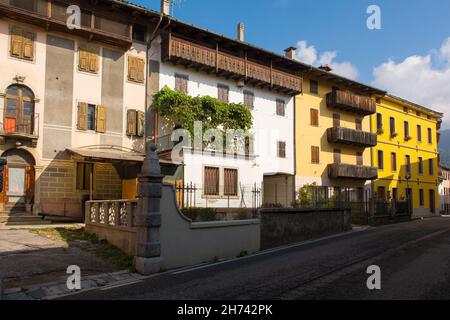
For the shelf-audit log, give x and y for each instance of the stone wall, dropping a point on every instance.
(107, 182)
(285, 226)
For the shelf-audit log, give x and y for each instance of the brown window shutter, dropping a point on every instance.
(358, 124)
(131, 122)
(314, 114)
(230, 182)
(211, 182)
(28, 45)
(359, 159)
(140, 70)
(336, 120)
(82, 116)
(132, 71)
(281, 108)
(140, 124)
(16, 41)
(315, 154)
(281, 149)
(93, 61)
(83, 63)
(100, 119)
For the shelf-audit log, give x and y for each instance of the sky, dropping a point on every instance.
(409, 56)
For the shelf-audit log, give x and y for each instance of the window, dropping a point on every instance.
(431, 167)
(359, 159)
(223, 92)
(381, 193)
(88, 60)
(281, 107)
(22, 44)
(249, 99)
(314, 114)
(337, 156)
(181, 82)
(420, 166)
(136, 69)
(314, 86)
(379, 123)
(395, 194)
(135, 123)
(336, 120)
(358, 124)
(430, 136)
(421, 197)
(408, 164)
(392, 126)
(380, 160)
(419, 133)
(230, 177)
(85, 174)
(393, 161)
(281, 149)
(139, 32)
(406, 130)
(19, 110)
(315, 154)
(211, 181)
(91, 117)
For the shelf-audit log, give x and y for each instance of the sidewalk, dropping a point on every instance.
(32, 265)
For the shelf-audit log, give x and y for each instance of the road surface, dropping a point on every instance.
(414, 259)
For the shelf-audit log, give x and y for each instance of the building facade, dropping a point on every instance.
(332, 133)
(444, 189)
(406, 154)
(72, 103)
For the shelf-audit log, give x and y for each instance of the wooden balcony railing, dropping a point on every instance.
(50, 14)
(350, 102)
(190, 54)
(351, 137)
(349, 171)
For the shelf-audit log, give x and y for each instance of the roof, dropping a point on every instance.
(108, 153)
(415, 105)
(295, 66)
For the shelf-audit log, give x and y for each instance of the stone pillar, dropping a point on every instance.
(148, 258)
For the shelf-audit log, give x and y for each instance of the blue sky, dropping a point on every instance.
(337, 28)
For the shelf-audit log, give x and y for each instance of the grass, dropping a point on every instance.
(72, 237)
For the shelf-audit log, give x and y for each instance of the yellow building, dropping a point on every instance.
(406, 154)
(332, 132)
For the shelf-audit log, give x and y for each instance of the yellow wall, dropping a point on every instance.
(389, 107)
(307, 136)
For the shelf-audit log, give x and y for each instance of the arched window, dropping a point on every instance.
(19, 110)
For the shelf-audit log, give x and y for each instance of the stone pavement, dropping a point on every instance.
(32, 266)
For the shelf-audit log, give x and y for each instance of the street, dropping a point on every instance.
(414, 259)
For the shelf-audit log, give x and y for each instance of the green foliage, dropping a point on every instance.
(200, 214)
(184, 110)
(305, 195)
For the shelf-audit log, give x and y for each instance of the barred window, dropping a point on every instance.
(230, 177)
(211, 181)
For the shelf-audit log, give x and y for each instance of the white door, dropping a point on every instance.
(16, 185)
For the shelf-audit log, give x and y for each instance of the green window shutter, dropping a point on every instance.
(100, 119)
(131, 122)
(82, 116)
(140, 124)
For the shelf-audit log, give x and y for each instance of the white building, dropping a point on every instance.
(444, 189)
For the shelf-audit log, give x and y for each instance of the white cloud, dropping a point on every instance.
(309, 55)
(418, 80)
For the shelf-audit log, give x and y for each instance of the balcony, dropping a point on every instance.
(202, 58)
(20, 131)
(52, 15)
(349, 171)
(347, 101)
(351, 137)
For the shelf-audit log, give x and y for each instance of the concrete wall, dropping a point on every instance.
(284, 226)
(185, 243)
(123, 238)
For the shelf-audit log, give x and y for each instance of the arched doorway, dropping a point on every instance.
(18, 116)
(19, 181)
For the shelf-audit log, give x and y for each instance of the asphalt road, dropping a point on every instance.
(414, 259)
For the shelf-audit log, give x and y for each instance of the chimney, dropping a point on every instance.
(290, 52)
(240, 31)
(325, 67)
(165, 7)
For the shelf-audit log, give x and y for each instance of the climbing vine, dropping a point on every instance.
(183, 110)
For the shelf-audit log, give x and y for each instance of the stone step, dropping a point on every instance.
(21, 219)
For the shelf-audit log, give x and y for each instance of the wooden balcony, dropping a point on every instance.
(349, 171)
(51, 15)
(347, 101)
(23, 131)
(351, 137)
(202, 58)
